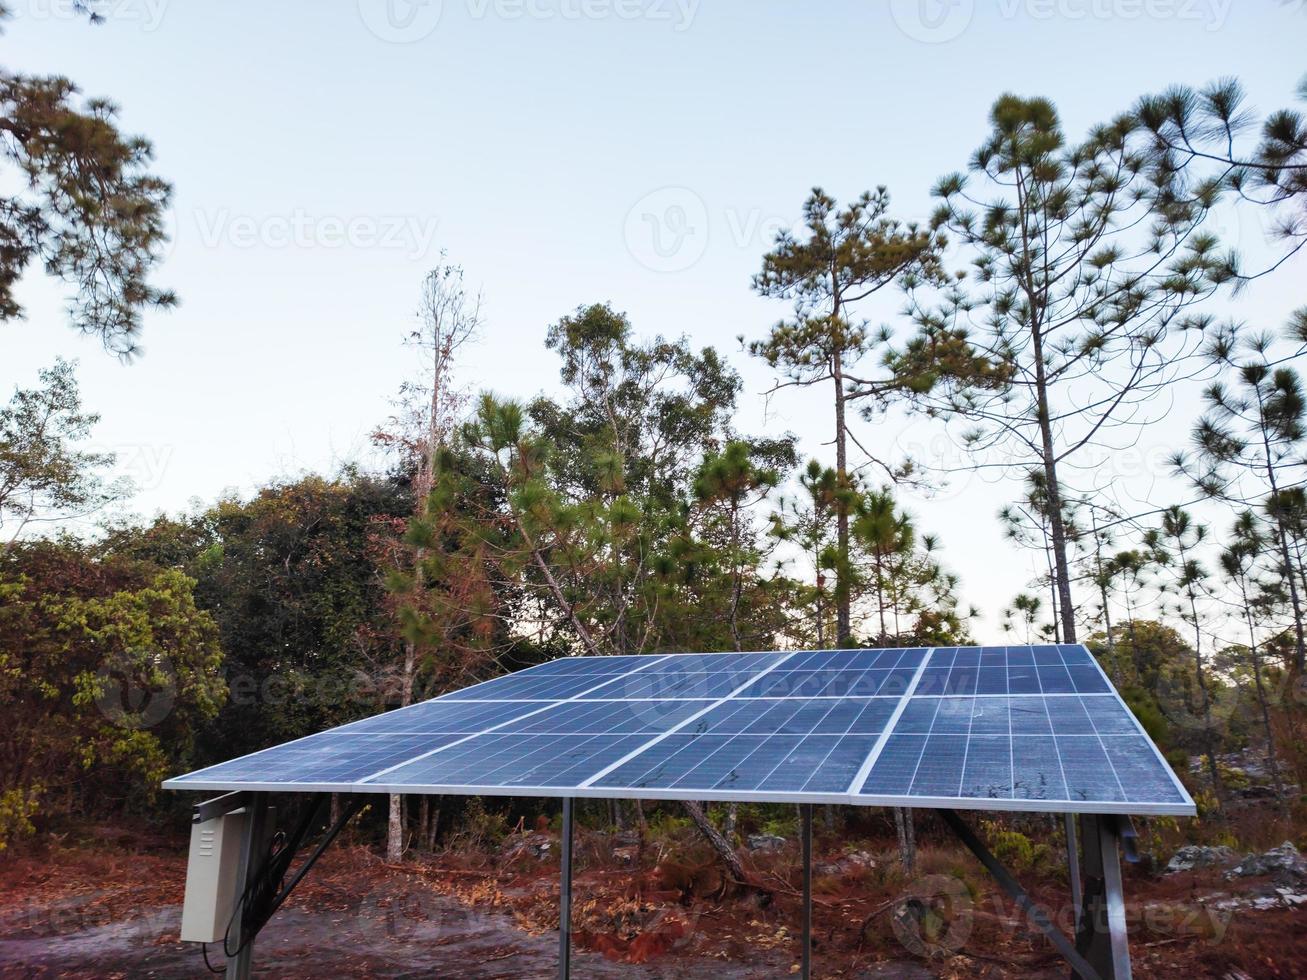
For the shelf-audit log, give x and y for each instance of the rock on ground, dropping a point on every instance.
(1282, 863)
(1197, 856)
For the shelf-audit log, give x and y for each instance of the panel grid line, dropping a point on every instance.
(694, 717)
(493, 728)
(869, 763)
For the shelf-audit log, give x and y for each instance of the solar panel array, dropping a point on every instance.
(1000, 728)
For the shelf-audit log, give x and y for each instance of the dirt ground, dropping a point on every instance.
(111, 908)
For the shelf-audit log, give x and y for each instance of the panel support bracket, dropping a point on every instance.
(1101, 930)
(1082, 966)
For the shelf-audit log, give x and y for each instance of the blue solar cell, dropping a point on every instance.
(1069, 716)
(966, 657)
(992, 680)
(989, 716)
(589, 665)
(1088, 680)
(873, 716)
(954, 716)
(1037, 769)
(606, 717)
(461, 718)
(1055, 680)
(1022, 679)
(1089, 773)
(834, 773)
(919, 716)
(934, 680)
(1139, 771)
(528, 687)
(940, 771)
(987, 770)
(322, 758)
(896, 766)
(1029, 716)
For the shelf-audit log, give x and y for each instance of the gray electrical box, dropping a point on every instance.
(211, 873)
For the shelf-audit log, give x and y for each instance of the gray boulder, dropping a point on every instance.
(1197, 856)
(1284, 864)
(766, 843)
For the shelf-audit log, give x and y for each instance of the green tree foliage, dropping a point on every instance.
(728, 486)
(1243, 561)
(912, 599)
(805, 520)
(291, 579)
(1176, 546)
(1201, 133)
(845, 257)
(625, 505)
(1164, 693)
(45, 475)
(1084, 258)
(1249, 446)
(108, 669)
(89, 211)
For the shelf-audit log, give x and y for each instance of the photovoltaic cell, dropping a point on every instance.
(1005, 727)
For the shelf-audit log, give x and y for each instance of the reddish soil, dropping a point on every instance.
(111, 908)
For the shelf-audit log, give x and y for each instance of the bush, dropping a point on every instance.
(17, 808)
(480, 827)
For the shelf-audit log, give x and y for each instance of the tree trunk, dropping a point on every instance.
(903, 826)
(1299, 660)
(1300, 642)
(433, 831)
(395, 830)
(719, 844)
(732, 818)
(1262, 700)
(1057, 527)
(843, 587)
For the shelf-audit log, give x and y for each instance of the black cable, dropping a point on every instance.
(255, 904)
(204, 948)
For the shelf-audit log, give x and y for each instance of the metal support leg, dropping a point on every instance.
(252, 853)
(806, 812)
(1073, 866)
(1101, 933)
(565, 897)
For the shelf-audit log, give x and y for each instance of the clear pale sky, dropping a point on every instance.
(641, 152)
